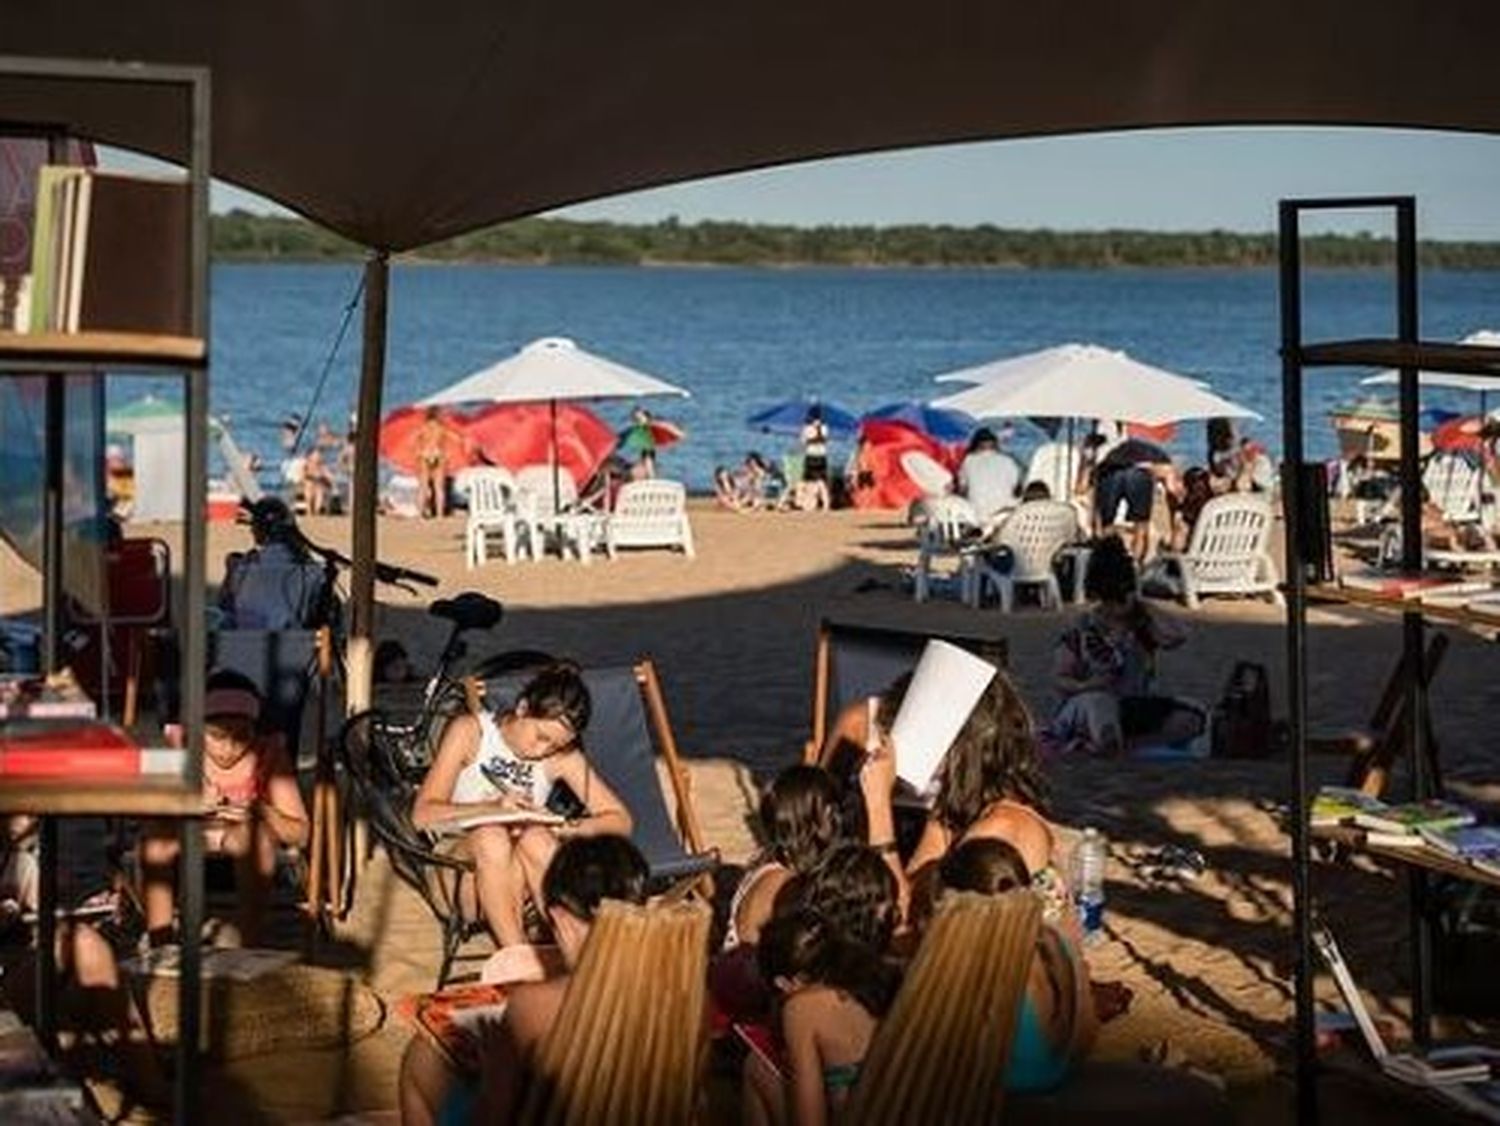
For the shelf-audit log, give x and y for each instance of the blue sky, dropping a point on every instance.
(1180, 179)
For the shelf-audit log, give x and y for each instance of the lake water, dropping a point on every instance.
(741, 339)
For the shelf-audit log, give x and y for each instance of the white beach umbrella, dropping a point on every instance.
(551, 370)
(1084, 381)
(1454, 380)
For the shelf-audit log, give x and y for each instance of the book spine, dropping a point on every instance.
(82, 764)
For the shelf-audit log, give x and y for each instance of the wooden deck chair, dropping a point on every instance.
(853, 661)
(629, 732)
(628, 1045)
(939, 1055)
(1375, 749)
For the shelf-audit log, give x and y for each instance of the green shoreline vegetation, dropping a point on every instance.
(242, 236)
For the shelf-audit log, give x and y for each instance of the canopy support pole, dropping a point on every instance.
(359, 664)
(556, 454)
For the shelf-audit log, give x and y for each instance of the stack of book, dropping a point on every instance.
(109, 253)
(1403, 826)
(79, 752)
(1479, 845)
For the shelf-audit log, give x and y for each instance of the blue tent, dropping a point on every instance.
(790, 416)
(943, 425)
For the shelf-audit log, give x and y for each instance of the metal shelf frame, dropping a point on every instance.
(1409, 354)
(46, 355)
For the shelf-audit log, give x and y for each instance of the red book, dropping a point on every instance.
(81, 751)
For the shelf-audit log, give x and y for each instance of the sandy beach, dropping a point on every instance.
(732, 633)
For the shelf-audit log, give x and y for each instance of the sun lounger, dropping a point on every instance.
(649, 514)
(939, 1053)
(1229, 552)
(628, 1045)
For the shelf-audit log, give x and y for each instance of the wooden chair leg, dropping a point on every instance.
(132, 678)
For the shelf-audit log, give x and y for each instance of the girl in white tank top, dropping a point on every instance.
(497, 771)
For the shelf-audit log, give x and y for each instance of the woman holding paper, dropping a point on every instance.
(493, 775)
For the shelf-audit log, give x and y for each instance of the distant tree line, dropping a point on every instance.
(240, 235)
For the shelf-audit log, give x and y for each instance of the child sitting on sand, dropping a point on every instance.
(506, 764)
(254, 805)
(827, 958)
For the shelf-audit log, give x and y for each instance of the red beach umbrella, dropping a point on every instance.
(520, 434)
(1163, 432)
(1460, 434)
(401, 442)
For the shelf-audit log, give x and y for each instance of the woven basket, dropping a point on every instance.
(294, 1008)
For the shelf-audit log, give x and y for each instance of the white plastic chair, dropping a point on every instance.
(1453, 484)
(544, 508)
(1035, 533)
(1228, 553)
(949, 529)
(492, 508)
(649, 514)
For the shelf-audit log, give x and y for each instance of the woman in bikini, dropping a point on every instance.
(432, 465)
(507, 764)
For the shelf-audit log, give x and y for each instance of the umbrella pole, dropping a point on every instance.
(556, 471)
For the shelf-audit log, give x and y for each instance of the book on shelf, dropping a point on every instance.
(32, 697)
(1397, 586)
(1339, 805)
(1410, 818)
(66, 749)
(109, 253)
(1467, 842)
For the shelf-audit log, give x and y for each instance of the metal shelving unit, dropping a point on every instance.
(1409, 354)
(55, 354)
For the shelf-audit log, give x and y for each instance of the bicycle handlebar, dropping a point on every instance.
(386, 573)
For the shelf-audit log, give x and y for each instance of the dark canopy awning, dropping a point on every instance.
(397, 124)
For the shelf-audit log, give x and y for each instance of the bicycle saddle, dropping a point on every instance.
(469, 610)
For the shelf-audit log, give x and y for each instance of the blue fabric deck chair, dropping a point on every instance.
(854, 660)
(630, 729)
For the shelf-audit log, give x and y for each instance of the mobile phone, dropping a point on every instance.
(562, 801)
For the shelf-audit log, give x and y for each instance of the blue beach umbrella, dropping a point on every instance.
(943, 425)
(789, 416)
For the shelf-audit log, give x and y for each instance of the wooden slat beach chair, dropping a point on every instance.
(628, 1046)
(940, 1053)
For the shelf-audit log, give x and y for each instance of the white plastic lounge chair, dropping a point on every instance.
(649, 514)
(492, 509)
(1034, 533)
(1228, 553)
(950, 528)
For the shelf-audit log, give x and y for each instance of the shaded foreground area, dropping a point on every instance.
(732, 633)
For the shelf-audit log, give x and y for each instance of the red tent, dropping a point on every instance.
(882, 483)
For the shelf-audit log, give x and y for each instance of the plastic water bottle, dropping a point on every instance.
(1093, 853)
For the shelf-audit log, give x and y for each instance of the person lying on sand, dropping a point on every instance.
(507, 764)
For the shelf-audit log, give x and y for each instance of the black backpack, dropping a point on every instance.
(1243, 727)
